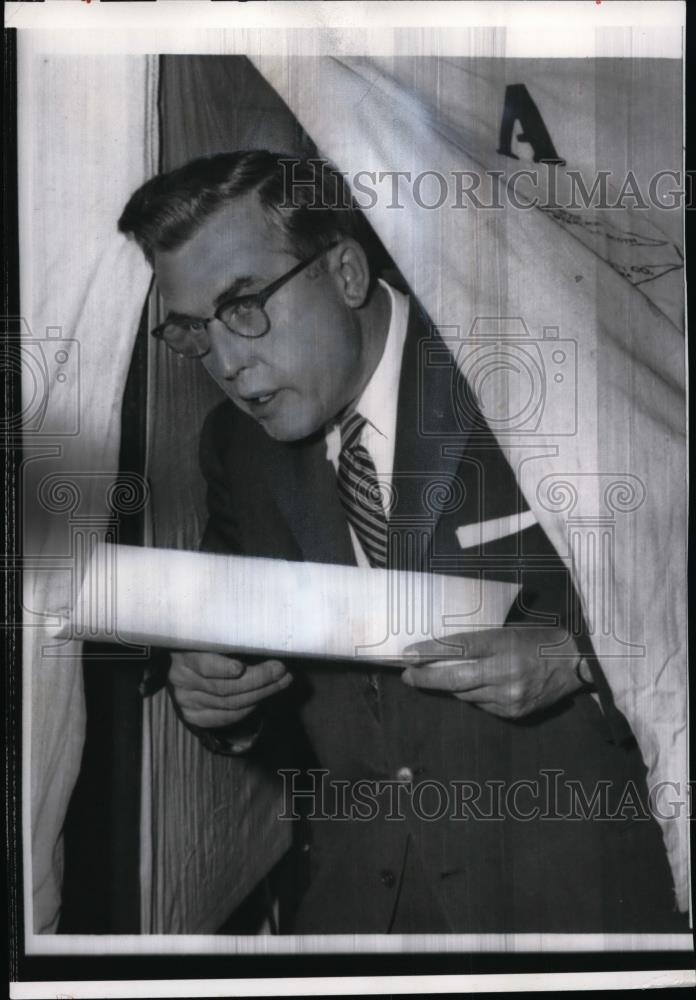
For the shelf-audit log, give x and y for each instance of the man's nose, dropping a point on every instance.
(231, 352)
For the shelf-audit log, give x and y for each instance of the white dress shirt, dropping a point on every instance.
(378, 403)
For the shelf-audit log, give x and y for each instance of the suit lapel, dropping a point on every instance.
(303, 483)
(432, 430)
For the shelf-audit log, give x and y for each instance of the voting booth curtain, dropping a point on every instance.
(602, 462)
(568, 322)
(87, 134)
(218, 813)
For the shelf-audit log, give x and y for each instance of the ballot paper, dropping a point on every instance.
(224, 603)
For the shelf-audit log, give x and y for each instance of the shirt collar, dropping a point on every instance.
(378, 401)
(377, 404)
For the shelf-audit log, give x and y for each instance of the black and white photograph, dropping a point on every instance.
(346, 452)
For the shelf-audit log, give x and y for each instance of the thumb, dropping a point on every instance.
(236, 668)
(461, 646)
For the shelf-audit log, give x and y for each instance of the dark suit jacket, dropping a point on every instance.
(481, 866)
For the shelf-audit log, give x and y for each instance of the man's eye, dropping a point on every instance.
(240, 308)
(194, 326)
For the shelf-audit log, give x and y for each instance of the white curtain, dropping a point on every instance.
(87, 138)
(604, 468)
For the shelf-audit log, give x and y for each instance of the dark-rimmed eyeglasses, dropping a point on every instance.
(244, 315)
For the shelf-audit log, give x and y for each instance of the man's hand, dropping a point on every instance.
(213, 690)
(502, 670)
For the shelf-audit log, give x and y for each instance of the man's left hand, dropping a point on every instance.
(509, 672)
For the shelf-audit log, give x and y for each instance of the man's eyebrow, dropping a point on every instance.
(238, 285)
(174, 315)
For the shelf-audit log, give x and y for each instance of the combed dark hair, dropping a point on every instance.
(307, 200)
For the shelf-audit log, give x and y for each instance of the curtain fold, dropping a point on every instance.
(567, 321)
(87, 138)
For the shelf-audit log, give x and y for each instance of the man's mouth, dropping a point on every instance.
(259, 399)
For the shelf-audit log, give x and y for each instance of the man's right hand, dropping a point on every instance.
(213, 690)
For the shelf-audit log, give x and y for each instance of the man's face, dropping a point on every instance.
(311, 363)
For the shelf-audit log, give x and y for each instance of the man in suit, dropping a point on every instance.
(503, 796)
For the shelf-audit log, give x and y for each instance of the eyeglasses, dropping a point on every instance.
(244, 315)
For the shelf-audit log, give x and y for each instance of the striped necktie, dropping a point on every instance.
(359, 491)
(360, 496)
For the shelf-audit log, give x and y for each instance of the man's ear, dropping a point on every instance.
(351, 271)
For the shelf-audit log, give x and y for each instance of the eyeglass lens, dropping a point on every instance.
(246, 319)
(187, 341)
(193, 342)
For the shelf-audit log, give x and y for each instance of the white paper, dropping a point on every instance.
(194, 600)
